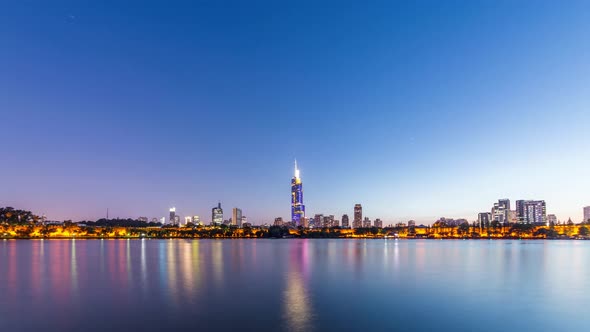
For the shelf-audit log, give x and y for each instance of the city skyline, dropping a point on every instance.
(416, 110)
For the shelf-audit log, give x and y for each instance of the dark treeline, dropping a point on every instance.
(10, 215)
(120, 223)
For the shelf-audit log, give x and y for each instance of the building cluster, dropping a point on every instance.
(532, 212)
(526, 212)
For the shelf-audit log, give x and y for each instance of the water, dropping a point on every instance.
(293, 285)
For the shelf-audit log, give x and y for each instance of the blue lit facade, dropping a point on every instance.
(297, 207)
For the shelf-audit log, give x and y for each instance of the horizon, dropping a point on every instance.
(415, 110)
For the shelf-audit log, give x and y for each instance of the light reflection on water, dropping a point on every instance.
(293, 285)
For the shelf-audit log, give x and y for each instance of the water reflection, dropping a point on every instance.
(295, 285)
(297, 301)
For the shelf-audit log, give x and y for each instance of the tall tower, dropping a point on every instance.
(297, 207)
(358, 216)
(236, 217)
(217, 215)
(172, 215)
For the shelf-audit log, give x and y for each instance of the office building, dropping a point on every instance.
(378, 223)
(188, 219)
(172, 219)
(586, 214)
(236, 217)
(531, 212)
(278, 221)
(345, 222)
(501, 211)
(318, 219)
(358, 216)
(366, 222)
(217, 215)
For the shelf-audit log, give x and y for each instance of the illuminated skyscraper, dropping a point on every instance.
(586, 214)
(297, 207)
(217, 215)
(358, 216)
(172, 215)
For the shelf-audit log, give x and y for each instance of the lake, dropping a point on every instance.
(294, 285)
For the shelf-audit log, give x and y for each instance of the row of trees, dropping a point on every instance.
(10, 215)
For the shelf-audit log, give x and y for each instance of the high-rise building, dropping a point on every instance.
(367, 222)
(531, 212)
(236, 217)
(358, 216)
(411, 223)
(217, 215)
(244, 220)
(318, 219)
(345, 222)
(378, 223)
(501, 211)
(278, 221)
(142, 219)
(188, 219)
(328, 221)
(197, 220)
(551, 220)
(484, 219)
(172, 215)
(305, 222)
(177, 220)
(586, 214)
(297, 207)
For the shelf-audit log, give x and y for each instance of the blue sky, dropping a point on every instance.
(416, 109)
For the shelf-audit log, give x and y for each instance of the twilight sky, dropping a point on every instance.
(416, 110)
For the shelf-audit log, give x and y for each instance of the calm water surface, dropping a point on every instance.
(294, 285)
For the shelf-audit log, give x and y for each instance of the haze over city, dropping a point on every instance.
(417, 111)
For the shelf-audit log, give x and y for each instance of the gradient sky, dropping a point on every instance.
(416, 110)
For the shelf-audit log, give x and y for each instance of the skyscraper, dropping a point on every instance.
(367, 222)
(297, 207)
(586, 214)
(236, 217)
(358, 216)
(217, 215)
(501, 211)
(345, 222)
(172, 219)
(531, 212)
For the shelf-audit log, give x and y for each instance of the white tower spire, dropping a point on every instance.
(296, 170)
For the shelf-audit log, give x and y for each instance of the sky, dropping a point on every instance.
(417, 109)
